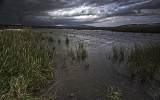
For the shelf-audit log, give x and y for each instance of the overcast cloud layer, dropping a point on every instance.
(80, 12)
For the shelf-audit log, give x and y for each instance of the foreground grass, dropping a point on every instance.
(24, 64)
(144, 60)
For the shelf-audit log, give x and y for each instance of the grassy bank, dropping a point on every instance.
(143, 60)
(127, 28)
(25, 64)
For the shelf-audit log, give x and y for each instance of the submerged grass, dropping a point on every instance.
(114, 93)
(144, 60)
(25, 64)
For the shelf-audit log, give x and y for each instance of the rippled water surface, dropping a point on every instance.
(81, 83)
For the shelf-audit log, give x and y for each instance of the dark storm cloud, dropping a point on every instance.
(30, 7)
(10, 9)
(58, 12)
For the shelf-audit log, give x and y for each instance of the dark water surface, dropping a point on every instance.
(81, 83)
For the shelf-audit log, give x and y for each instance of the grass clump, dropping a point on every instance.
(67, 40)
(50, 39)
(142, 59)
(86, 63)
(25, 66)
(81, 52)
(59, 40)
(118, 54)
(113, 93)
(72, 53)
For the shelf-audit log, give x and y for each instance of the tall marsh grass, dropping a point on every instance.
(67, 40)
(59, 40)
(25, 64)
(81, 52)
(144, 60)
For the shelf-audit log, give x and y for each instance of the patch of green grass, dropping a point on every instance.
(113, 93)
(25, 64)
(144, 60)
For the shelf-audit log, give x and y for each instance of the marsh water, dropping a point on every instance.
(77, 82)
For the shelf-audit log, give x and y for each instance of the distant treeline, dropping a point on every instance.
(142, 28)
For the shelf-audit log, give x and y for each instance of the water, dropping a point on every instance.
(81, 83)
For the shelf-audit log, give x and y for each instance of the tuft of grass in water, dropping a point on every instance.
(25, 64)
(113, 93)
(144, 60)
(72, 53)
(59, 40)
(43, 38)
(67, 40)
(53, 48)
(81, 45)
(81, 52)
(50, 39)
(86, 63)
(121, 54)
(115, 53)
(84, 54)
(118, 54)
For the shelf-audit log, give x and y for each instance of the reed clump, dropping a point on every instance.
(67, 40)
(118, 54)
(81, 51)
(25, 64)
(59, 40)
(144, 60)
(50, 39)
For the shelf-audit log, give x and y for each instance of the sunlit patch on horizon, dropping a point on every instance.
(111, 19)
(85, 17)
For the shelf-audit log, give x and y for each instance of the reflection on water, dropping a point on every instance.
(78, 82)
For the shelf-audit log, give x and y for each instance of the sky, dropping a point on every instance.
(100, 13)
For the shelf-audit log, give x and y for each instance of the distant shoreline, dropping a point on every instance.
(136, 28)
